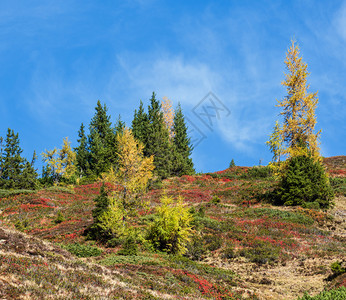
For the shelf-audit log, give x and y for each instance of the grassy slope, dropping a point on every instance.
(250, 249)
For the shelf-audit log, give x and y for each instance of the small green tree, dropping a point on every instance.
(82, 154)
(232, 163)
(275, 143)
(305, 182)
(172, 228)
(111, 222)
(108, 216)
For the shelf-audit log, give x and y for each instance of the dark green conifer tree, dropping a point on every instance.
(29, 174)
(82, 153)
(158, 143)
(101, 205)
(16, 172)
(100, 140)
(1, 151)
(12, 162)
(182, 163)
(305, 183)
(118, 129)
(119, 126)
(140, 125)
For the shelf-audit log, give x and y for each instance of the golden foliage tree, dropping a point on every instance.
(61, 162)
(298, 109)
(168, 115)
(275, 143)
(172, 229)
(133, 171)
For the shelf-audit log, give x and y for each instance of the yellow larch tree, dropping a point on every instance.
(133, 171)
(298, 109)
(61, 162)
(275, 143)
(168, 115)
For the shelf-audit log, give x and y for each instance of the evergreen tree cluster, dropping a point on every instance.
(96, 152)
(171, 156)
(15, 171)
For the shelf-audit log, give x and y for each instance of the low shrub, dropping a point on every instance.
(196, 249)
(258, 172)
(228, 253)
(155, 184)
(130, 246)
(113, 259)
(261, 253)
(215, 200)
(59, 218)
(87, 180)
(81, 250)
(212, 242)
(335, 294)
(337, 269)
(21, 225)
(338, 185)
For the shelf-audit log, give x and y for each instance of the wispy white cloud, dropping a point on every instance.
(340, 21)
(245, 134)
(171, 76)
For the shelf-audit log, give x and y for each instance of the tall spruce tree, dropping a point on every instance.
(16, 171)
(140, 125)
(1, 151)
(100, 141)
(82, 154)
(158, 143)
(119, 126)
(29, 174)
(182, 163)
(12, 162)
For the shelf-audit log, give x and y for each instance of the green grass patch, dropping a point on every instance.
(81, 250)
(335, 294)
(60, 189)
(7, 193)
(339, 185)
(114, 259)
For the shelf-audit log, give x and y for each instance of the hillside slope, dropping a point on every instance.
(243, 247)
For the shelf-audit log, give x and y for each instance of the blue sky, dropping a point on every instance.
(58, 58)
